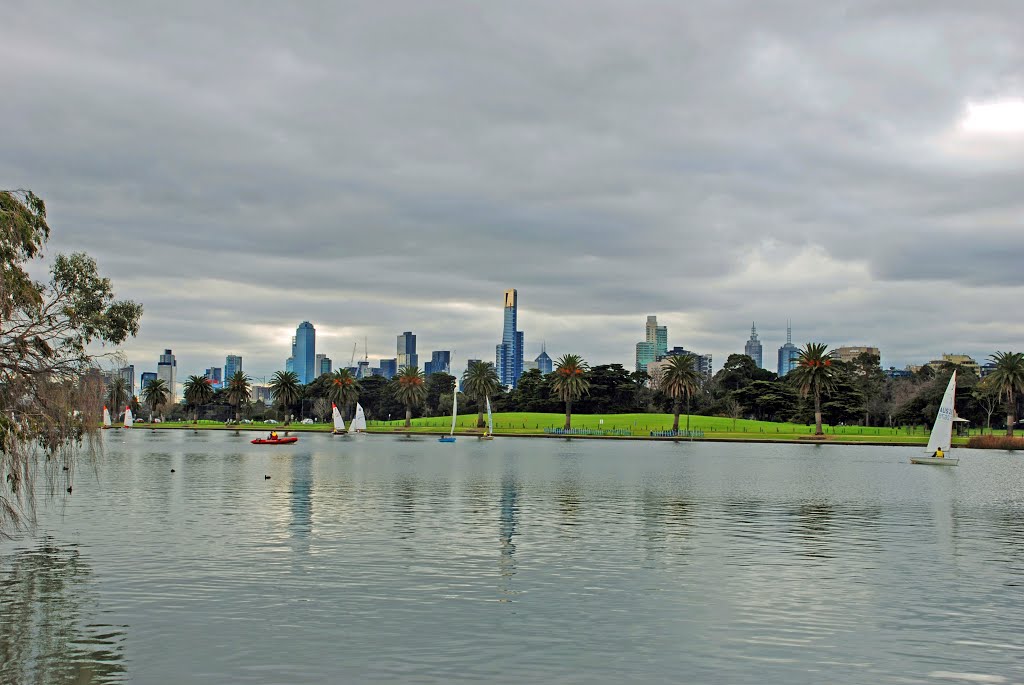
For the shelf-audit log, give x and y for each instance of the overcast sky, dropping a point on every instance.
(375, 167)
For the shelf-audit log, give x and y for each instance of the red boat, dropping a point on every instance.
(275, 441)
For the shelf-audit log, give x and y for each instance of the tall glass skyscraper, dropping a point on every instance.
(167, 371)
(305, 352)
(753, 347)
(544, 363)
(508, 356)
(655, 345)
(788, 353)
(232, 363)
(406, 354)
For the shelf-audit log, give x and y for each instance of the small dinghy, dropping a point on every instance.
(942, 432)
(275, 441)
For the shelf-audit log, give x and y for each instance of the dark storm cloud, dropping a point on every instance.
(376, 168)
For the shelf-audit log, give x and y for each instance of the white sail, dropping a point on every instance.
(339, 421)
(106, 418)
(129, 420)
(490, 419)
(359, 421)
(455, 409)
(942, 431)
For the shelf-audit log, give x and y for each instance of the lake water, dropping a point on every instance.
(376, 558)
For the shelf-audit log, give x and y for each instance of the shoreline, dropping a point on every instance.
(802, 440)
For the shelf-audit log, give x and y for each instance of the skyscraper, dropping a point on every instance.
(213, 375)
(544, 363)
(508, 356)
(167, 371)
(232, 363)
(406, 355)
(388, 368)
(305, 352)
(654, 346)
(128, 374)
(441, 361)
(144, 380)
(788, 353)
(753, 347)
(322, 365)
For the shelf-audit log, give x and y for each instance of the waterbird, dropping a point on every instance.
(69, 488)
(65, 468)
(172, 470)
(266, 477)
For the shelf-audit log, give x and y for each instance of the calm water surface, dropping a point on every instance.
(373, 558)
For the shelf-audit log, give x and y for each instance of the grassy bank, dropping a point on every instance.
(637, 425)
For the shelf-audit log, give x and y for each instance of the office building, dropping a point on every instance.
(644, 355)
(213, 374)
(406, 354)
(304, 352)
(544, 363)
(701, 362)
(362, 368)
(529, 366)
(128, 374)
(167, 371)
(144, 380)
(753, 347)
(508, 356)
(232, 365)
(469, 363)
(441, 361)
(261, 393)
(849, 353)
(962, 360)
(322, 365)
(388, 368)
(289, 364)
(377, 371)
(789, 354)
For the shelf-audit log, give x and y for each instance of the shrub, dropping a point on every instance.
(995, 442)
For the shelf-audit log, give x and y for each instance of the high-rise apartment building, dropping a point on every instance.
(788, 353)
(128, 374)
(305, 352)
(232, 364)
(388, 368)
(167, 371)
(508, 356)
(753, 347)
(406, 354)
(544, 363)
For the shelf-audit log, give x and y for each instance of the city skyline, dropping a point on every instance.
(789, 177)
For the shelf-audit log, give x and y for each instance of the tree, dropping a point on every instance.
(344, 389)
(570, 382)
(481, 381)
(286, 390)
(814, 376)
(1008, 377)
(870, 381)
(987, 395)
(410, 389)
(680, 380)
(156, 395)
(239, 392)
(50, 395)
(117, 394)
(198, 391)
(438, 385)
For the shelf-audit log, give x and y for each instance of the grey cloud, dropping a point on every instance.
(378, 168)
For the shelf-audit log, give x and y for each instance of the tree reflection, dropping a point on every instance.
(506, 530)
(48, 632)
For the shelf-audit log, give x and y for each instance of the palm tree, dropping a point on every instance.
(198, 391)
(239, 392)
(344, 389)
(570, 382)
(680, 380)
(814, 375)
(481, 381)
(156, 395)
(117, 394)
(1009, 378)
(286, 390)
(410, 388)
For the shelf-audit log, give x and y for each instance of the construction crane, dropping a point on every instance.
(352, 361)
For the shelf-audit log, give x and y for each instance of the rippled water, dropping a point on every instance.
(372, 558)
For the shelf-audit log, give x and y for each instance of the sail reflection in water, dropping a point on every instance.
(49, 627)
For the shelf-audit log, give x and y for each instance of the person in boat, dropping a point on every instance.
(938, 453)
(272, 436)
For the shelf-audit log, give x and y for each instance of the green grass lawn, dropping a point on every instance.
(639, 425)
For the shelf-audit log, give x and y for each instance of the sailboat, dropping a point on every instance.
(129, 420)
(489, 435)
(942, 430)
(106, 418)
(455, 415)
(339, 421)
(358, 424)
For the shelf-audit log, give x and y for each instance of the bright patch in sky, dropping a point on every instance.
(1002, 116)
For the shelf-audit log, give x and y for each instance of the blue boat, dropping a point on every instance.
(447, 438)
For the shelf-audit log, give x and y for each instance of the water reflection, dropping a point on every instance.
(506, 531)
(48, 628)
(301, 496)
